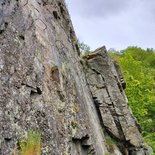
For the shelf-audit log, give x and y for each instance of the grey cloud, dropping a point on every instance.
(100, 8)
(114, 23)
(105, 7)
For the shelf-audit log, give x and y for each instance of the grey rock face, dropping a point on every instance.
(45, 86)
(107, 87)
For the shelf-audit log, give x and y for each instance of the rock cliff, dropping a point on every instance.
(78, 104)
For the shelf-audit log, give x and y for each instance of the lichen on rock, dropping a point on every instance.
(45, 87)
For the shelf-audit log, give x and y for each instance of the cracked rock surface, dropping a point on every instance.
(107, 86)
(78, 105)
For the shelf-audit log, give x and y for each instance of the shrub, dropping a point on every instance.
(32, 144)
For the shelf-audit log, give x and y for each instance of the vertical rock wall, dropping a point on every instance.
(76, 104)
(107, 86)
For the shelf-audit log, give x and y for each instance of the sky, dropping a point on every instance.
(114, 23)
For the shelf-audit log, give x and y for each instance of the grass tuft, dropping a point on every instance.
(31, 145)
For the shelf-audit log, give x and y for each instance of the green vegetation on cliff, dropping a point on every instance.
(138, 68)
(31, 145)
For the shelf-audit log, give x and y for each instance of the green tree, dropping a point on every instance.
(138, 67)
(84, 48)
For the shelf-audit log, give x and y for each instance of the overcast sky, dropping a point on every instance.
(114, 23)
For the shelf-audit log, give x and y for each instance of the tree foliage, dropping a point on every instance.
(138, 67)
(84, 48)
